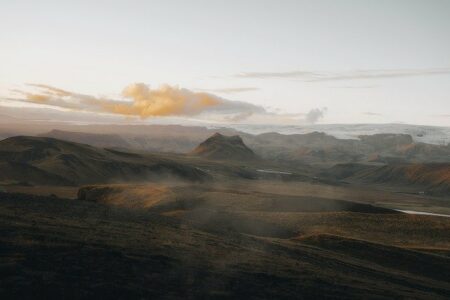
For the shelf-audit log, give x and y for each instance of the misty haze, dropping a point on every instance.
(225, 150)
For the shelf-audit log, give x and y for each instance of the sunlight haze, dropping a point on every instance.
(358, 61)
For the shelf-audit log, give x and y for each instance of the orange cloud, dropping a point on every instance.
(37, 98)
(139, 100)
(142, 101)
(165, 101)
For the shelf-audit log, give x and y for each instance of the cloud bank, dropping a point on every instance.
(139, 100)
(231, 90)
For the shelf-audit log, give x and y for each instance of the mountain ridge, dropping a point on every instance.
(73, 163)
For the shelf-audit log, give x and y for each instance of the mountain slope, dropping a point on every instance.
(434, 178)
(60, 162)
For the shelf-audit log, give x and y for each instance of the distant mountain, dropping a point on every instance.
(223, 147)
(438, 135)
(154, 138)
(48, 161)
(309, 148)
(113, 124)
(383, 141)
(93, 139)
(318, 147)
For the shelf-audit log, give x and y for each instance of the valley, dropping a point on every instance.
(220, 220)
(225, 150)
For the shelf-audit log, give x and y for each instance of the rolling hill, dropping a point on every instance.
(60, 248)
(431, 178)
(48, 161)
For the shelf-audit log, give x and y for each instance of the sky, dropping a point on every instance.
(274, 62)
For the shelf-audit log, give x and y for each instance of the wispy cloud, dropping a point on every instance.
(314, 76)
(373, 114)
(238, 117)
(51, 90)
(231, 90)
(289, 74)
(355, 87)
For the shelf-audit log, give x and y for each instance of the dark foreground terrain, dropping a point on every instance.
(60, 248)
(222, 221)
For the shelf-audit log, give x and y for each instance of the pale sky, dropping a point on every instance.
(351, 61)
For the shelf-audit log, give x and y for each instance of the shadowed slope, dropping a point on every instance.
(58, 248)
(222, 147)
(62, 162)
(433, 178)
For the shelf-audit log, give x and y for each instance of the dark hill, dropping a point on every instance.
(223, 147)
(50, 161)
(433, 178)
(59, 248)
